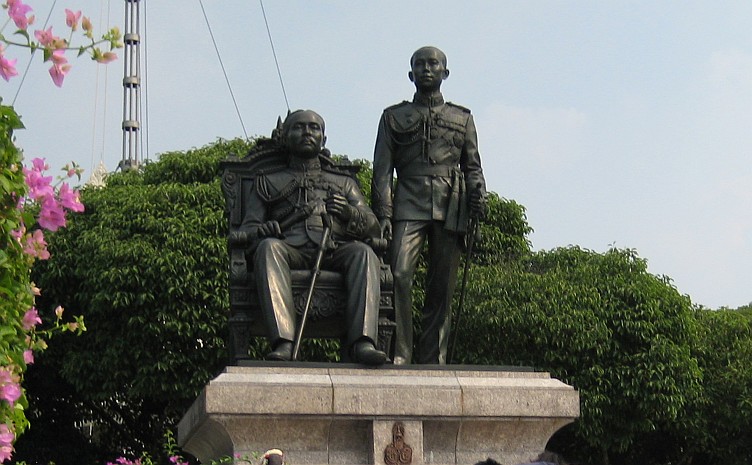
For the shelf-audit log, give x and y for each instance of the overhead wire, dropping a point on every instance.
(274, 53)
(221, 64)
(145, 112)
(102, 20)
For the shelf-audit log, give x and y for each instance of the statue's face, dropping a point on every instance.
(304, 134)
(427, 69)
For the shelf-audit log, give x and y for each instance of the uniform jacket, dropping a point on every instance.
(280, 194)
(433, 147)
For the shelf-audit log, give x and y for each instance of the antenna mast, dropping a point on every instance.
(131, 87)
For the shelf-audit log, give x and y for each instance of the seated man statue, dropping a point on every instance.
(286, 212)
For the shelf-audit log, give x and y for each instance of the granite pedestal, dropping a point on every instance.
(346, 414)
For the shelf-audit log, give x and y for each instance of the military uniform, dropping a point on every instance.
(304, 186)
(432, 145)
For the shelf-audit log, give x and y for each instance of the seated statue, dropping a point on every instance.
(288, 210)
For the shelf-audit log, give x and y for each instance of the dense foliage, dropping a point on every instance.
(147, 265)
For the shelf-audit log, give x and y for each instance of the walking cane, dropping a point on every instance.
(314, 275)
(472, 233)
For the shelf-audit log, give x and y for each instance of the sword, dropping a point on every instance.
(314, 276)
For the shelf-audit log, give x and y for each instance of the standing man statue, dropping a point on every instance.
(290, 240)
(432, 145)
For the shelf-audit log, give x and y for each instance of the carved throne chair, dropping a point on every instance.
(326, 315)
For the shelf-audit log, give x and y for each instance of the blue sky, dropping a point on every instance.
(625, 123)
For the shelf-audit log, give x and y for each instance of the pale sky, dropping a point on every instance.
(624, 123)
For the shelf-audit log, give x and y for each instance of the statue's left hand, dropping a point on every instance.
(337, 205)
(477, 205)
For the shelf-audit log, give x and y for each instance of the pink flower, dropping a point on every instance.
(39, 186)
(40, 164)
(71, 18)
(7, 67)
(45, 38)
(6, 442)
(70, 198)
(51, 215)
(58, 72)
(59, 312)
(10, 391)
(17, 11)
(36, 246)
(58, 57)
(30, 319)
(28, 356)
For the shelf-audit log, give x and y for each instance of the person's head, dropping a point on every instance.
(428, 67)
(273, 457)
(303, 133)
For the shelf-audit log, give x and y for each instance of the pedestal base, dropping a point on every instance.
(339, 414)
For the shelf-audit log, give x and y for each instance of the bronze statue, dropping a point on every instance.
(432, 145)
(287, 211)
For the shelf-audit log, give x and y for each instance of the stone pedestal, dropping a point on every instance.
(345, 414)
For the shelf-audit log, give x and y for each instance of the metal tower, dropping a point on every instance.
(131, 87)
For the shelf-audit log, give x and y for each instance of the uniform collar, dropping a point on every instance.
(305, 164)
(433, 100)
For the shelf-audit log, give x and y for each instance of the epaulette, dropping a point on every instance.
(335, 170)
(460, 107)
(397, 105)
(270, 170)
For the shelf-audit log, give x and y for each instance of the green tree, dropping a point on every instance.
(600, 322)
(721, 431)
(147, 266)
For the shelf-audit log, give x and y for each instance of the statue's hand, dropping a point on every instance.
(337, 205)
(477, 204)
(270, 229)
(386, 228)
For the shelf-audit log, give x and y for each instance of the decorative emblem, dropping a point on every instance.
(398, 452)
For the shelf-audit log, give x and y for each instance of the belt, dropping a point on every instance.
(425, 170)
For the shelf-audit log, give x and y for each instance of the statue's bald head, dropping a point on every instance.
(296, 115)
(303, 133)
(429, 50)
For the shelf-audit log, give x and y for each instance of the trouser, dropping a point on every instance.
(273, 261)
(443, 259)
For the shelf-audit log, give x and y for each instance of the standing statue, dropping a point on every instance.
(432, 145)
(287, 210)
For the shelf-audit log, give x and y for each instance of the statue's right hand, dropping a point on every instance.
(270, 229)
(386, 228)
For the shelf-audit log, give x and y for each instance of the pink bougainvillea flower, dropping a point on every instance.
(40, 164)
(10, 391)
(30, 319)
(17, 11)
(70, 198)
(45, 37)
(36, 246)
(39, 186)
(71, 18)
(6, 442)
(58, 57)
(59, 311)
(28, 356)
(58, 72)
(7, 67)
(51, 215)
